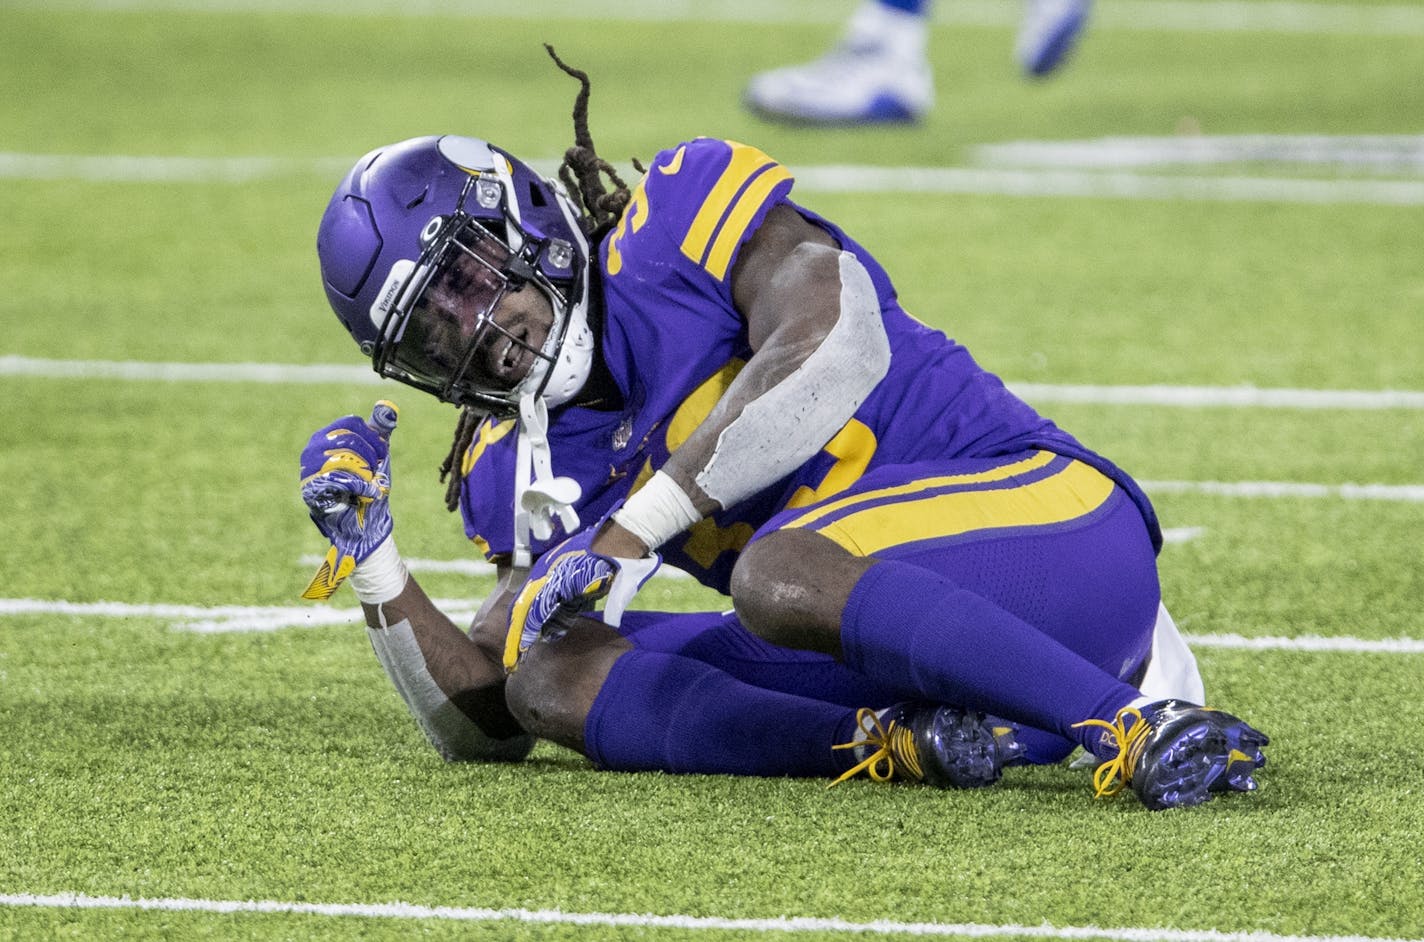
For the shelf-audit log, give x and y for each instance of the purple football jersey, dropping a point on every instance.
(673, 340)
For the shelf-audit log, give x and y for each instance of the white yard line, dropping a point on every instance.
(845, 178)
(1182, 534)
(1111, 185)
(1238, 397)
(241, 619)
(1304, 643)
(783, 924)
(1191, 397)
(215, 619)
(122, 168)
(1277, 490)
(1384, 153)
(1194, 16)
(477, 567)
(135, 370)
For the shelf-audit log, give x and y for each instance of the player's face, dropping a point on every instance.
(479, 324)
(522, 318)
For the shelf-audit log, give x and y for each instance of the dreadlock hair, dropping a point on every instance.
(582, 170)
(465, 428)
(582, 173)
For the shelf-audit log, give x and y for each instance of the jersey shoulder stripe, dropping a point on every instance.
(746, 183)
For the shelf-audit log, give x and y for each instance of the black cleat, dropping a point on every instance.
(943, 746)
(1175, 754)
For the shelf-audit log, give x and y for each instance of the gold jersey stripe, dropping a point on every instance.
(1037, 460)
(490, 432)
(746, 162)
(1074, 492)
(720, 258)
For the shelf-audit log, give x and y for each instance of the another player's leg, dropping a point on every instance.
(1048, 32)
(878, 72)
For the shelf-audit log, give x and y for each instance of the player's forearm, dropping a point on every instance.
(451, 658)
(806, 379)
(740, 432)
(673, 499)
(452, 688)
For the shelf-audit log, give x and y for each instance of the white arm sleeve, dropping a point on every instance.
(453, 734)
(784, 427)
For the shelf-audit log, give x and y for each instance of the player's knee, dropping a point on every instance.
(790, 587)
(538, 698)
(558, 677)
(749, 586)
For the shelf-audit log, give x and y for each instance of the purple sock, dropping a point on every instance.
(907, 624)
(663, 712)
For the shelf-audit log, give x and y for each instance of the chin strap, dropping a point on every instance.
(539, 496)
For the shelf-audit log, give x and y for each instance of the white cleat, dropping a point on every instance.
(877, 73)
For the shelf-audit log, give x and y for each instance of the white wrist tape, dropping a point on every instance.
(785, 426)
(381, 576)
(657, 512)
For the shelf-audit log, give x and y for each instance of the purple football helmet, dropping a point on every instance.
(421, 242)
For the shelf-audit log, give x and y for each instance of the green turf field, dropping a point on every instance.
(188, 751)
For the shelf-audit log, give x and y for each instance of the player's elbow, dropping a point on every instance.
(470, 744)
(843, 330)
(459, 737)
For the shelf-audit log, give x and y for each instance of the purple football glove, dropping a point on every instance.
(572, 578)
(346, 486)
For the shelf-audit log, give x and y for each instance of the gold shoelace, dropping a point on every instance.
(1112, 776)
(890, 742)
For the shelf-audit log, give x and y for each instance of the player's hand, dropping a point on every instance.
(346, 485)
(572, 578)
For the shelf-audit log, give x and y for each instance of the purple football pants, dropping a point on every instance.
(1025, 587)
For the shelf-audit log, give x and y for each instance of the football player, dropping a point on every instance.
(702, 371)
(880, 72)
